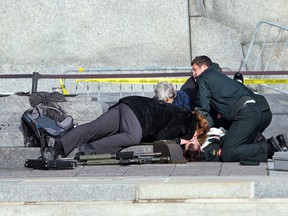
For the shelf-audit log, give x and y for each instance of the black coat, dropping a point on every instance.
(219, 92)
(159, 120)
(191, 88)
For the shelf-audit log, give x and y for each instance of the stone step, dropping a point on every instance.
(81, 108)
(11, 139)
(215, 207)
(15, 157)
(141, 190)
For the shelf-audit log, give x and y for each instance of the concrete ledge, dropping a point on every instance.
(194, 190)
(217, 207)
(140, 189)
(11, 139)
(15, 157)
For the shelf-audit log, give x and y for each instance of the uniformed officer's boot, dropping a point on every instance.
(273, 146)
(283, 141)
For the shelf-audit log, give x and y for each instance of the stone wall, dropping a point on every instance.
(244, 15)
(45, 35)
(52, 36)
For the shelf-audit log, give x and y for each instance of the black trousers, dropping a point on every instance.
(109, 133)
(240, 141)
(266, 119)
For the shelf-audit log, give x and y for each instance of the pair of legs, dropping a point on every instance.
(240, 141)
(109, 133)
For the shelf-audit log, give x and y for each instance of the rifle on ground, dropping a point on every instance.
(125, 161)
(163, 152)
(119, 158)
(123, 158)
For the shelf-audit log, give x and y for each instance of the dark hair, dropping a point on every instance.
(192, 155)
(201, 60)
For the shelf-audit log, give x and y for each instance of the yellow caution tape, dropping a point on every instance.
(173, 80)
(265, 81)
(64, 90)
(135, 80)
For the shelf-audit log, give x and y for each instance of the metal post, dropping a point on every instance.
(35, 78)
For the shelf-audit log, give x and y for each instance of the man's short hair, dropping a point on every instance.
(202, 60)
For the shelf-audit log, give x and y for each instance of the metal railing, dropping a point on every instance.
(161, 75)
(267, 50)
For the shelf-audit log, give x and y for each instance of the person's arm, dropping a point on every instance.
(182, 100)
(204, 99)
(182, 124)
(169, 132)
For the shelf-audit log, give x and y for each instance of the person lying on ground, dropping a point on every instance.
(130, 121)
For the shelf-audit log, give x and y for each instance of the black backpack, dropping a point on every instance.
(45, 119)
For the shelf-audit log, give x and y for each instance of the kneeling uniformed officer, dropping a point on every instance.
(235, 104)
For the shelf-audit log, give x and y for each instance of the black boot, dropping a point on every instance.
(58, 149)
(283, 141)
(273, 146)
(239, 77)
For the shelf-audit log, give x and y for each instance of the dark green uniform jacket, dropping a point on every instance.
(219, 92)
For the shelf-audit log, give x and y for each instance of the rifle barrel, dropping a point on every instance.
(102, 162)
(125, 161)
(96, 157)
(118, 155)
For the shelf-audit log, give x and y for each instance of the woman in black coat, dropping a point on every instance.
(132, 120)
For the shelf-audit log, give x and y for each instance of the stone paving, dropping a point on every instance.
(143, 170)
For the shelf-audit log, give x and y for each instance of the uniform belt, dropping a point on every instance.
(249, 101)
(246, 103)
(241, 103)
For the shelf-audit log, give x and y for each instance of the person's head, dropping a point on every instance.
(165, 91)
(200, 64)
(193, 151)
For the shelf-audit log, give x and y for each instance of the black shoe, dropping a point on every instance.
(49, 153)
(273, 146)
(58, 149)
(283, 141)
(239, 77)
(86, 149)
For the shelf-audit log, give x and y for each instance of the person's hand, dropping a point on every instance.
(184, 141)
(193, 141)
